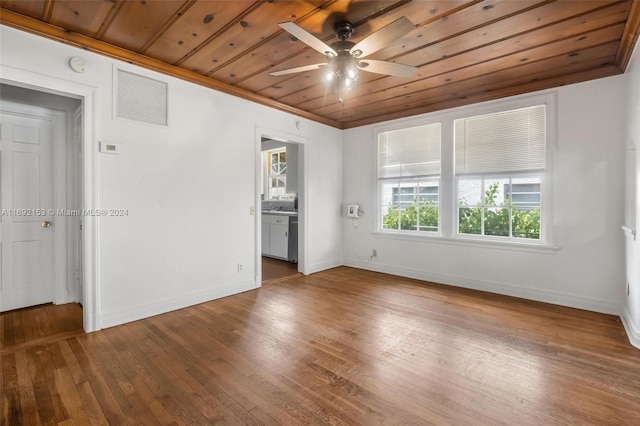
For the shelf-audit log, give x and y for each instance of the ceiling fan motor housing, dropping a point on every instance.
(343, 30)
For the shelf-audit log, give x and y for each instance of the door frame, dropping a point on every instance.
(89, 179)
(279, 135)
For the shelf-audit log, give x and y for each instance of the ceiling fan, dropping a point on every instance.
(345, 58)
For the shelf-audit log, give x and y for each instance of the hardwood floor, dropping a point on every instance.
(274, 270)
(343, 347)
(30, 326)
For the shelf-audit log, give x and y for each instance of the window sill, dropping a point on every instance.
(472, 242)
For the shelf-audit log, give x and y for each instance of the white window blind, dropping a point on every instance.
(407, 153)
(510, 141)
(141, 98)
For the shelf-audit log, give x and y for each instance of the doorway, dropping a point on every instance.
(281, 207)
(41, 164)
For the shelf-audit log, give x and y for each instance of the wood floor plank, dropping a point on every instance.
(341, 347)
(28, 403)
(11, 411)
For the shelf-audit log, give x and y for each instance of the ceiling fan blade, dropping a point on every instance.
(382, 38)
(298, 69)
(388, 68)
(307, 38)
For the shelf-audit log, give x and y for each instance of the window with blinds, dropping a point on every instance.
(409, 177)
(510, 141)
(499, 167)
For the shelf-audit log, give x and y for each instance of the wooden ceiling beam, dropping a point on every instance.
(629, 36)
(47, 10)
(43, 29)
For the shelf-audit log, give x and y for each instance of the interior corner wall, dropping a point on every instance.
(188, 187)
(631, 313)
(588, 269)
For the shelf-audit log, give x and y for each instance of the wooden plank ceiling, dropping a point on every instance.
(466, 51)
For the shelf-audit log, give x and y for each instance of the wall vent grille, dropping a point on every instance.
(141, 98)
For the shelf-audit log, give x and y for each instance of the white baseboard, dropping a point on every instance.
(135, 313)
(556, 298)
(323, 266)
(633, 333)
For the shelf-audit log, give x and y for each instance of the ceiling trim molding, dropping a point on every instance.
(629, 36)
(43, 29)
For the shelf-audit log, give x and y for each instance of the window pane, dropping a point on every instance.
(428, 193)
(469, 220)
(496, 222)
(469, 192)
(494, 192)
(409, 218)
(526, 223)
(409, 152)
(389, 217)
(501, 142)
(428, 219)
(389, 199)
(525, 192)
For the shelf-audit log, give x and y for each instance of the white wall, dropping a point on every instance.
(631, 314)
(188, 188)
(588, 269)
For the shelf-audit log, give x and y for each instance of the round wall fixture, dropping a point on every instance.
(78, 64)
(298, 125)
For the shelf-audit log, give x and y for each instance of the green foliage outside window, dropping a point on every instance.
(427, 212)
(525, 221)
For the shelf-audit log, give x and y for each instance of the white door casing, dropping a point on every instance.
(27, 268)
(89, 95)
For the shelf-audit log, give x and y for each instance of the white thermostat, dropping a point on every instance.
(110, 148)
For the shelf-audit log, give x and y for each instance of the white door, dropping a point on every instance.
(26, 276)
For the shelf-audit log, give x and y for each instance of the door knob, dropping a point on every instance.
(46, 224)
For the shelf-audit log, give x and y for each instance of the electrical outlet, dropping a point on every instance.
(239, 267)
(374, 253)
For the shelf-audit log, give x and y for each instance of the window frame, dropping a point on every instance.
(379, 182)
(416, 181)
(448, 185)
(270, 175)
(483, 207)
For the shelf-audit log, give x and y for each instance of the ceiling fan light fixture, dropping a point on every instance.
(349, 83)
(343, 56)
(329, 76)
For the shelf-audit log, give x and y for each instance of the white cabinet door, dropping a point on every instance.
(265, 237)
(278, 240)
